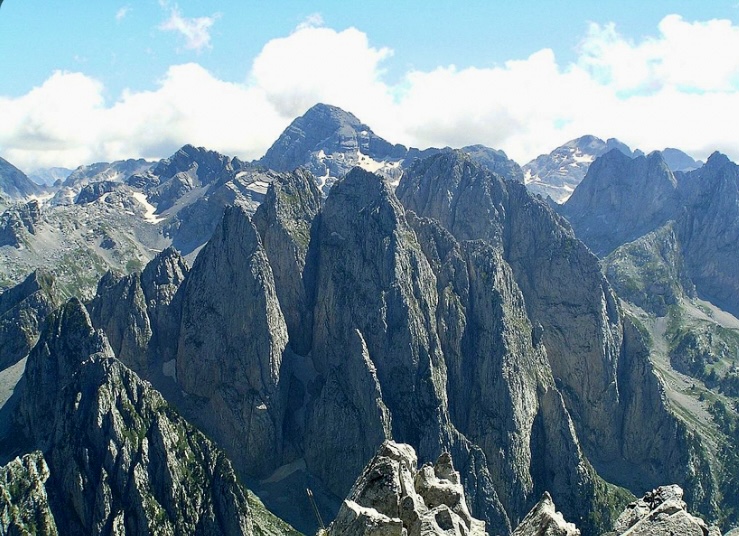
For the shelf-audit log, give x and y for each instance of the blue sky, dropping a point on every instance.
(87, 81)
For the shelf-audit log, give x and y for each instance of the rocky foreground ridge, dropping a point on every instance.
(394, 497)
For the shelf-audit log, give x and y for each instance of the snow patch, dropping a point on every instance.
(259, 187)
(368, 163)
(149, 216)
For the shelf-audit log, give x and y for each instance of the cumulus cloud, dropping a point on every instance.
(678, 88)
(196, 31)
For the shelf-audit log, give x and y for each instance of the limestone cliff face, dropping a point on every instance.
(621, 199)
(568, 302)
(120, 460)
(560, 280)
(285, 222)
(161, 280)
(375, 296)
(231, 344)
(23, 309)
(119, 308)
(140, 313)
(709, 230)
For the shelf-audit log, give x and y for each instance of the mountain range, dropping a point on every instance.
(334, 325)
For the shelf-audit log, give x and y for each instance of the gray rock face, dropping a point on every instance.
(120, 459)
(374, 313)
(23, 309)
(710, 228)
(17, 222)
(661, 512)
(231, 344)
(119, 309)
(285, 224)
(24, 503)
(140, 313)
(650, 271)
(329, 142)
(558, 173)
(161, 280)
(621, 199)
(575, 313)
(394, 496)
(14, 184)
(677, 160)
(544, 520)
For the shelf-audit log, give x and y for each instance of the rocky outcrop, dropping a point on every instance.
(393, 496)
(650, 271)
(14, 183)
(285, 224)
(120, 460)
(23, 309)
(95, 190)
(18, 222)
(231, 344)
(24, 502)
(710, 228)
(544, 520)
(621, 199)
(661, 512)
(119, 309)
(140, 312)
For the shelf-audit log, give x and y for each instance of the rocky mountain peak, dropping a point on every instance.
(232, 340)
(545, 520)
(626, 198)
(558, 173)
(23, 310)
(329, 142)
(14, 184)
(206, 164)
(680, 161)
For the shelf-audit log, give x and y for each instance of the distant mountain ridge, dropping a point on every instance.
(14, 184)
(558, 173)
(329, 142)
(622, 200)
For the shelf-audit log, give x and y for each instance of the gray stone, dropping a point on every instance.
(545, 520)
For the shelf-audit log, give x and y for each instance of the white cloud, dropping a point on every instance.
(196, 31)
(122, 13)
(679, 88)
(320, 64)
(314, 20)
(690, 57)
